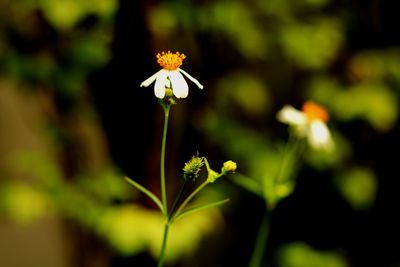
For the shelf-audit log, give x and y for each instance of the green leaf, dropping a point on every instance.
(199, 208)
(146, 191)
(248, 183)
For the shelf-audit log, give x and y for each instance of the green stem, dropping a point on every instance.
(163, 246)
(162, 161)
(197, 190)
(178, 198)
(290, 152)
(261, 243)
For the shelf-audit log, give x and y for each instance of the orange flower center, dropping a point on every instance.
(314, 111)
(170, 61)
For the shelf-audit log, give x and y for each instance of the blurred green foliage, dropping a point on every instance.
(22, 204)
(302, 255)
(52, 47)
(63, 14)
(358, 186)
(127, 228)
(313, 45)
(306, 40)
(278, 52)
(374, 102)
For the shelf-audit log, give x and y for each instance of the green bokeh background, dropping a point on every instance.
(74, 122)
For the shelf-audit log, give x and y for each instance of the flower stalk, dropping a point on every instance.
(163, 246)
(166, 108)
(261, 242)
(169, 85)
(309, 123)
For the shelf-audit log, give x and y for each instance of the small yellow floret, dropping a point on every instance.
(170, 61)
(229, 166)
(314, 111)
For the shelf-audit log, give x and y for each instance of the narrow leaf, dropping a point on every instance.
(247, 183)
(199, 208)
(145, 191)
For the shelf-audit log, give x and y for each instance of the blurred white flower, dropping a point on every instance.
(170, 76)
(309, 122)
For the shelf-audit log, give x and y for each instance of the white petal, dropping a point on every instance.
(159, 87)
(191, 78)
(319, 136)
(178, 83)
(292, 116)
(151, 79)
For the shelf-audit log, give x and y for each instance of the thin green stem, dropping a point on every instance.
(162, 161)
(291, 150)
(163, 246)
(190, 197)
(261, 243)
(178, 198)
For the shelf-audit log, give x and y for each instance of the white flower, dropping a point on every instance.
(170, 76)
(310, 122)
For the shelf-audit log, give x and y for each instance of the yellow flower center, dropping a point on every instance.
(314, 111)
(170, 61)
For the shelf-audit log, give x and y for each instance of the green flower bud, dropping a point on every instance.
(229, 167)
(168, 99)
(192, 168)
(168, 93)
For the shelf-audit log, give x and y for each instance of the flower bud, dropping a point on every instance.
(192, 168)
(168, 92)
(229, 167)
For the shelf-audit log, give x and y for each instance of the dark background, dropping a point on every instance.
(129, 118)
